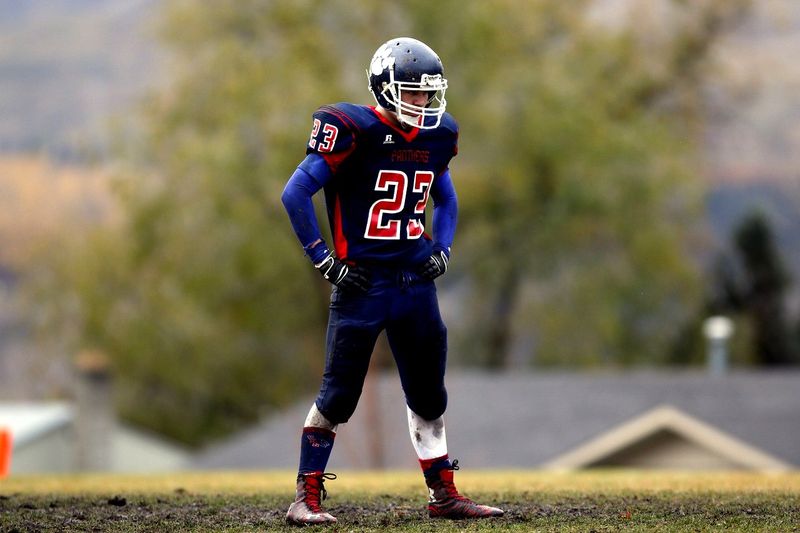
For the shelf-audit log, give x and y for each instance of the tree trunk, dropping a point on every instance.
(500, 337)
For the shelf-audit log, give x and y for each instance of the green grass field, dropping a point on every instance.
(395, 501)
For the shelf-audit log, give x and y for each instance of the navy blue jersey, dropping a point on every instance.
(382, 176)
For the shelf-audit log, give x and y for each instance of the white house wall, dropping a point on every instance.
(52, 452)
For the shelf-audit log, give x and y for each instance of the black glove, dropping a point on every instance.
(435, 266)
(344, 276)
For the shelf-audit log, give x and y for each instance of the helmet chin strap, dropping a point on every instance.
(414, 122)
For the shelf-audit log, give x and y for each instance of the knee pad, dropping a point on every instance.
(431, 406)
(338, 404)
(316, 419)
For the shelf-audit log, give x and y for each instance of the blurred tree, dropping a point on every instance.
(575, 183)
(201, 296)
(749, 286)
(577, 174)
(721, 297)
(762, 296)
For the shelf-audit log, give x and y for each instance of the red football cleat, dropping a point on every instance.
(446, 502)
(307, 509)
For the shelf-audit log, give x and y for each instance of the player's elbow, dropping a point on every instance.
(286, 197)
(292, 196)
(451, 202)
(446, 203)
(299, 189)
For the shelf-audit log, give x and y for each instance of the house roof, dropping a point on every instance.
(131, 450)
(525, 420)
(666, 419)
(29, 421)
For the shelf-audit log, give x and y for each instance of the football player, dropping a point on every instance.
(377, 166)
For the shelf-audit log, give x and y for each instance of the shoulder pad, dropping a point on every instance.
(449, 123)
(333, 131)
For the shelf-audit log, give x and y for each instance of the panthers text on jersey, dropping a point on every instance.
(382, 177)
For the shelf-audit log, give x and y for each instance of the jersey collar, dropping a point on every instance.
(408, 135)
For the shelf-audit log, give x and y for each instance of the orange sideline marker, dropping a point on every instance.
(5, 452)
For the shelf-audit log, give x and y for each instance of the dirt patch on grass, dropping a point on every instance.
(182, 511)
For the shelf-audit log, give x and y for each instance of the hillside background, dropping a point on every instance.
(67, 68)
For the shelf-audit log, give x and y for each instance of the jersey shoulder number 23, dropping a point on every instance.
(331, 132)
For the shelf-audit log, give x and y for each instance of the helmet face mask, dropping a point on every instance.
(415, 115)
(406, 65)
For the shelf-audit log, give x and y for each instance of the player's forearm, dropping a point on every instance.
(296, 198)
(445, 211)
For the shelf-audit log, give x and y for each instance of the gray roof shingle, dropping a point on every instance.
(522, 420)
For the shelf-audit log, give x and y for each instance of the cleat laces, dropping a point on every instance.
(445, 500)
(314, 488)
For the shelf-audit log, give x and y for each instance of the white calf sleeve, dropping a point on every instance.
(427, 436)
(315, 419)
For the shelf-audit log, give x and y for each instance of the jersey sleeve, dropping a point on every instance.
(333, 135)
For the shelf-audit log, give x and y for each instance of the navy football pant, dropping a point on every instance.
(407, 308)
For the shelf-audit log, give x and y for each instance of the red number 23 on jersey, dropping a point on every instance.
(380, 223)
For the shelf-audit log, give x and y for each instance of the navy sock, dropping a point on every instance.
(316, 445)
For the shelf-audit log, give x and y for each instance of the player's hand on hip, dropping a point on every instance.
(436, 265)
(346, 277)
